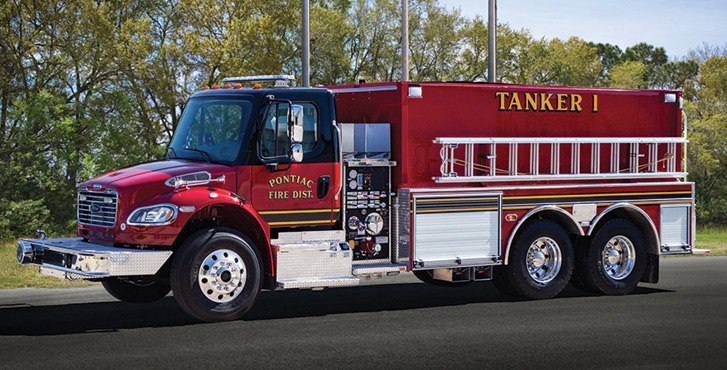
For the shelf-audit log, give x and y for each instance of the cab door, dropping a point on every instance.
(288, 194)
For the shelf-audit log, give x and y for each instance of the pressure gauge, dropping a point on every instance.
(374, 223)
(352, 174)
(353, 184)
(353, 223)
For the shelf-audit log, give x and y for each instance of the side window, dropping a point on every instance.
(310, 126)
(275, 141)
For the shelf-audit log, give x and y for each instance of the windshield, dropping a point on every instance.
(212, 130)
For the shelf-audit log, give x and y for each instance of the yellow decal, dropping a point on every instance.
(543, 102)
(286, 194)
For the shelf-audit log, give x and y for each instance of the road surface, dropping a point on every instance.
(679, 323)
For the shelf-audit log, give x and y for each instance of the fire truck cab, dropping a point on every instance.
(532, 187)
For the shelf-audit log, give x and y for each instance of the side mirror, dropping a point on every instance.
(296, 153)
(295, 125)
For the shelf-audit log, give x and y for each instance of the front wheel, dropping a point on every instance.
(540, 263)
(615, 260)
(216, 275)
(141, 291)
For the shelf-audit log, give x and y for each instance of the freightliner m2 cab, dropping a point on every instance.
(287, 188)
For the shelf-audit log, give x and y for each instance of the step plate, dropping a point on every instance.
(316, 283)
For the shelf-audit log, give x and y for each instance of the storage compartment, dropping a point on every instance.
(455, 229)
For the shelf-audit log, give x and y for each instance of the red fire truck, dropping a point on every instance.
(276, 187)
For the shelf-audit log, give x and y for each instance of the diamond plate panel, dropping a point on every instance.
(93, 260)
(402, 209)
(313, 262)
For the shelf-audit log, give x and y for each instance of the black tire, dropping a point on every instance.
(543, 281)
(137, 292)
(498, 279)
(427, 277)
(577, 279)
(597, 271)
(201, 295)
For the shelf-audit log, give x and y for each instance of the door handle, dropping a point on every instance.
(324, 183)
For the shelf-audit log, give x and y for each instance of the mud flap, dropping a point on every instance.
(651, 274)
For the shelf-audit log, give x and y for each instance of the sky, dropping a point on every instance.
(676, 25)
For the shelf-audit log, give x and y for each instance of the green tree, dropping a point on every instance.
(629, 75)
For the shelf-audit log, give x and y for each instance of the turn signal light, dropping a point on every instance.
(215, 87)
(257, 87)
(226, 86)
(205, 88)
(511, 217)
(237, 86)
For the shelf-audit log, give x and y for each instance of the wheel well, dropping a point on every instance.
(636, 216)
(228, 215)
(551, 213)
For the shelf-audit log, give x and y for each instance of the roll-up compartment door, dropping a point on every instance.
(675, 228)
(455, 229)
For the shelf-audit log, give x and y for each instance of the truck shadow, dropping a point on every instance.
(105, 317)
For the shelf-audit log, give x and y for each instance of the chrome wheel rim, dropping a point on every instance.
(544, 260)
(618, 258)
(222, 276)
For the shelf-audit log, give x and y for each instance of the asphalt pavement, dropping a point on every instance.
(392, 323)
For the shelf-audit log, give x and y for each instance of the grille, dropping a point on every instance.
(97, 208)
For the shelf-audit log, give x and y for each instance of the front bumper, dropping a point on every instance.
(74, 258)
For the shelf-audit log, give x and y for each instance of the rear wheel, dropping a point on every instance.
(540, 263)
(216, 275)
(141, 291)
(615, 260)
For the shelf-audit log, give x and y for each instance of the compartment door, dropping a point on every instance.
(455, 230)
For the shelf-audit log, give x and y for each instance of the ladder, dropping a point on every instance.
(497, 159)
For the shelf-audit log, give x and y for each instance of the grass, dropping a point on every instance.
(13, 275)
(712, 238)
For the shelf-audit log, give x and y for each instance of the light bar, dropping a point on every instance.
(280, 80)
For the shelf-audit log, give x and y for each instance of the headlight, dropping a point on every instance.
(160, 214)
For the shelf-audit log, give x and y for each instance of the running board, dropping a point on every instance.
(377, 270)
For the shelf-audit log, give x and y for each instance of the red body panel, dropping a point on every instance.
(474, 110)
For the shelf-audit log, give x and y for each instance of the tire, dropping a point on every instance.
(541, 261)
(500, 283)
(577, 278)
(141, 292)
(427, 277)
(615, 260)
(207, 294)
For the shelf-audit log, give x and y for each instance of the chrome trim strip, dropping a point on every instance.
(557, 140)
(365, 89)
(514, 231)
(602, 176)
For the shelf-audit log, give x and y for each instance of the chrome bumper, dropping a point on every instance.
(75, 259)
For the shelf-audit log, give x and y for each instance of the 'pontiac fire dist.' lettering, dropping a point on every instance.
(287, 179)
(542, 102)
(286, 194)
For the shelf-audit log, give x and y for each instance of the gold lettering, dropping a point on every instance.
(545, 101)
(286, 179)
(531, 101)
(502, 96)
(562, 102)
(309, 184)
(272, 182)
(595, 103)
(575, 103)
(515, 101)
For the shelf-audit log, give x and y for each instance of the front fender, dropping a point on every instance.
(199, 198)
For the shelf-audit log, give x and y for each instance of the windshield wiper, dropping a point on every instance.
(207, 156)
